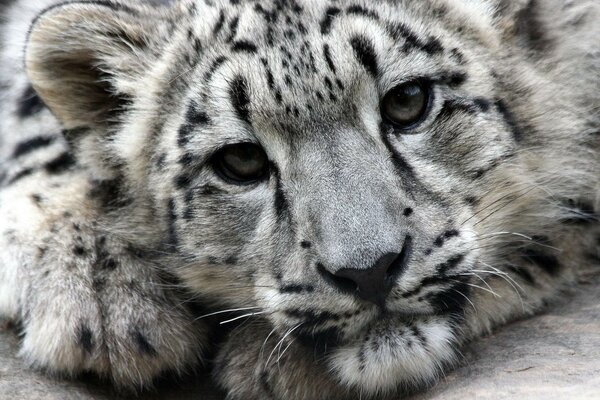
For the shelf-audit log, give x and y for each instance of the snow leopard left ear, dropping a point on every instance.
(83, 58)
(512, 16)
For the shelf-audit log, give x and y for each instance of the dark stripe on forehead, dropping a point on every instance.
(328, 59)
(193, 118)
(244, 46)
(365, 53)
(60, 164)
(220, 23)
(510, 120)
(240, 101)
(359, 10)
(401, 32)
(328, 18)
(214, 67)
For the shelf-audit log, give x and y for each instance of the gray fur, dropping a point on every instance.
(498, 189)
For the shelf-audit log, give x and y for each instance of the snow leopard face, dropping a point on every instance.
(339, 168)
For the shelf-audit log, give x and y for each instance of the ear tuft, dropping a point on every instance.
(83, 57)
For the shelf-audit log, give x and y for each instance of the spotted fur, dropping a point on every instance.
(110, 202)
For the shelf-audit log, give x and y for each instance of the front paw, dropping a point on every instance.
(104, 310)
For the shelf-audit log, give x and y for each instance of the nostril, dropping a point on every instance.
(344, 284)
(397, 267)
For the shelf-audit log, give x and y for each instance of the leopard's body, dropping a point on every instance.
(112, 215)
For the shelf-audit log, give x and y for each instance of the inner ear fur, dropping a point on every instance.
(83, 57)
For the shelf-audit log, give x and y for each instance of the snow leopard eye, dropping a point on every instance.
(241, 164)
(406, 105)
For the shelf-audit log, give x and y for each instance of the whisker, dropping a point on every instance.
(226, 311)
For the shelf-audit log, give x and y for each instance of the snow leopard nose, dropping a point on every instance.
(371, 284)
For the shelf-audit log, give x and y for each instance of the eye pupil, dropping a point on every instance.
(406, 104)
(242, 163)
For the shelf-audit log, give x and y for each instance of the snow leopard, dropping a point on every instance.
(353, 188)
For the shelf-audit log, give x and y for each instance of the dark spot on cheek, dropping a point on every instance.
(408, 212)
(231, 260)
(296, 288)
(546, 262)
(85, 338)
(37, 198)
(30, 103)
(79, 251)
(440, 240)
(143, 345)
(109, 264)
(522, 272)
(471, 200)
(305, 244)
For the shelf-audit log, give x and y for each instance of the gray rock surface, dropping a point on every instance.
(555, 355)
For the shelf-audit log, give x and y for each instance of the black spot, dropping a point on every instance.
(281, 203)
(60, 164)
(30, 103)
(400, 31)
(328, 18)
(111, 194)
(359, 10)
(455, 79)
(32, 144)
(547, 262)
(244, 46)
(233, 27)
(109, 264)
(452, 263)
(172, 220)
(143, 345)
(239, 98)
(580, 212)
(37, 198)
(510, 119)
(193, 117)
(231, 260)
(471, 200)
(183, 181)
(79, 251)
(305, 244)
(296, 288)
(365, 53)
(451, 300)
(458, 56)
(522, 272)
(407, 212)
(220, 23)
(440, 240)
(214, 67)
(85, 338)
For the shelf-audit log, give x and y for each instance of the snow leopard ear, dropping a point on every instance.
(83, 58)
(511, 15)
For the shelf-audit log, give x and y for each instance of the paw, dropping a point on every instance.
(95, 306)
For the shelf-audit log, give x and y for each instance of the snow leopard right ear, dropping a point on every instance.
(85, 57)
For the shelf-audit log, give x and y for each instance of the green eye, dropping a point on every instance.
(242, 163)
(406, 104)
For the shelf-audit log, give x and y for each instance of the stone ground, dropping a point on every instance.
(555, 355)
